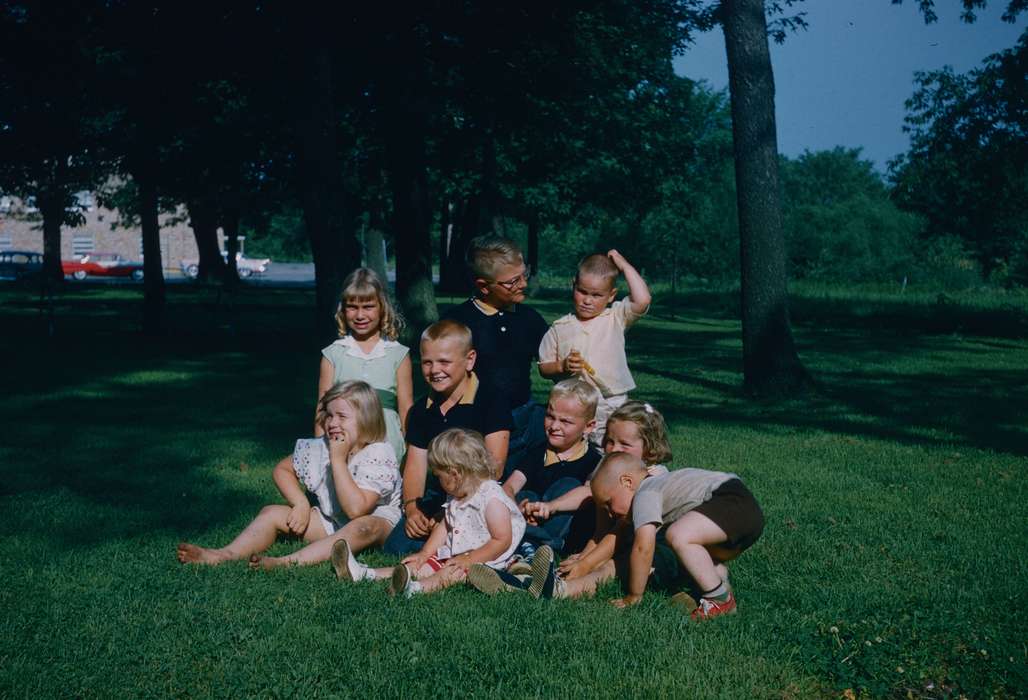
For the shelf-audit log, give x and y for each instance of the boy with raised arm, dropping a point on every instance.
(590, 342)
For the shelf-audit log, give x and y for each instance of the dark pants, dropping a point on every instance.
(526, 436)
(555, 529)
(398, 543)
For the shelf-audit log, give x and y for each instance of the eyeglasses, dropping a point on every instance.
(512, 284)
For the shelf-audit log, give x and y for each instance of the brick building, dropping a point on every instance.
(21, 228)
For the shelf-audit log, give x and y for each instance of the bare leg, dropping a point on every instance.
(315, 531)
(690, 536)
(361, 533)
(438, 580)
(256, 537)
(585, 585)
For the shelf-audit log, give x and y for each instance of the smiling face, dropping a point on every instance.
(363, 317)
(591, 294)
(623, 436)
(445, 364)
(341, 421)
(565, 423)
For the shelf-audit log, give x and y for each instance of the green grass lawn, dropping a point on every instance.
(893, 562)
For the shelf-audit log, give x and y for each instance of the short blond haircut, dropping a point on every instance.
(581, 391)
(651, 427)
(462, 451)
(487, 254)
(599, 265)
(612, 466)
(446, 329)
(371, 425)
(364, 284)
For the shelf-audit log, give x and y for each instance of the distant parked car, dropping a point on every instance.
(102, 265)
(20, 264)
(246, 266)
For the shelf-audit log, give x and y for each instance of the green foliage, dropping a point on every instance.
(892, 498)
(839, 221)
(967, 168)
(280, 236)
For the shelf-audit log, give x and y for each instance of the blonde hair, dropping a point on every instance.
(448, 328)
(581, 391)
(611, 467)
(462, 451)
(486, 254)
(651, 427)
(364, 284)
(371, 425)
(599, 265)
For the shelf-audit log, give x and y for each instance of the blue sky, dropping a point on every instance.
(844, 80)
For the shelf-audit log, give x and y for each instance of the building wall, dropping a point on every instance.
(21, 228)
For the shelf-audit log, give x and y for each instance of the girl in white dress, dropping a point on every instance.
(352, 474)
(482, 524)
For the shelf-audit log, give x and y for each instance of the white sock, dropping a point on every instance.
(358, 571)
(412, 588)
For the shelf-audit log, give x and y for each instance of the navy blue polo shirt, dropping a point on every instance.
(506, 343)
(478, 409)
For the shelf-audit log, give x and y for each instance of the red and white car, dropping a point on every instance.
(102, 265)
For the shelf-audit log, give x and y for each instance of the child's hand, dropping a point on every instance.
(338, 450)
(415, 561)
(541, 510)
(418, 524)
(617, 258)
(655, 470)
(572, 570)
(460, 563)
(573, 363)
(627, 601)
(299, 518)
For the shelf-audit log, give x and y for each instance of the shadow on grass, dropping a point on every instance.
(179, 434)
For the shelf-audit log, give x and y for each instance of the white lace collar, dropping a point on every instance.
(352, 348)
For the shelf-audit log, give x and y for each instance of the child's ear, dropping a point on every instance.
(470, 359)
(589, 427)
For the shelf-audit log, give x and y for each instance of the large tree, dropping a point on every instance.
(967, 168)
(49, 118)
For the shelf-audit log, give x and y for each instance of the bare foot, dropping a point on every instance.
(259, 562)
(191, 554)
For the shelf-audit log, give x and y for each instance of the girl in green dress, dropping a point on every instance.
(367, 350)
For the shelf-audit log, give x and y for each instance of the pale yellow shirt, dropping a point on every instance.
(600, 340)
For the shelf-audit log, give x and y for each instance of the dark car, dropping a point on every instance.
(20, 264)
(102, 265)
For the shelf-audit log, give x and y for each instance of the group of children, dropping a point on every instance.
(494, 486)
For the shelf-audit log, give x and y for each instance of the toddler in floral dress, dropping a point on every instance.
(481, 523)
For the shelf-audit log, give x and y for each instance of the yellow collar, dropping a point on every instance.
(469, 392)
(578, 453)
(485, 308)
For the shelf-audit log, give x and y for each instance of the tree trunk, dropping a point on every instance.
(334, 246)
(153, 273)
(375, 252)
(205, 230)
(770, 362)
(532, 261)
(411, 221)
(51, 206)
(230, 226)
